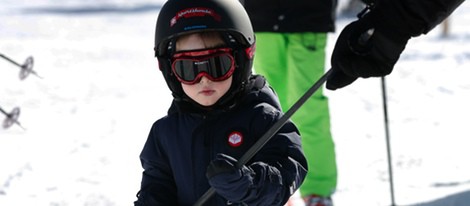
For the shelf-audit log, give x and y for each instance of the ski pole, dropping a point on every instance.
(11, 118)
(26, 67)
(387, 138)
(270, 133)
(363, 42)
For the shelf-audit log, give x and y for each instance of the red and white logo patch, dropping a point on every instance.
(235, 139)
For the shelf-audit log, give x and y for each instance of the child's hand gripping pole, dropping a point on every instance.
(270, 133)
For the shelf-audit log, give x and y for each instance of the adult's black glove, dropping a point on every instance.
(365, 48)
(230, 182)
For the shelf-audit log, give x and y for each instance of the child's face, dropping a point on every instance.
(205, 92)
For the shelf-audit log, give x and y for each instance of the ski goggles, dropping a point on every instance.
(215, 64)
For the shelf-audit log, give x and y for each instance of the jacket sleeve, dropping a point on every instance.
(157, 186)
(280, 166)
(413, 17)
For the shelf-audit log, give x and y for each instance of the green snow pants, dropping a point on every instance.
(292, 63)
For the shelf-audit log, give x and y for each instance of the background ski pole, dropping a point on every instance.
(11, 118)
(270, 133)
(363, 45)
(387, 138)
(26, 68)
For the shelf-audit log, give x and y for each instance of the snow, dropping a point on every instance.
(87, 119)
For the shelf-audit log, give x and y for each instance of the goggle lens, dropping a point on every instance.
(216, 64)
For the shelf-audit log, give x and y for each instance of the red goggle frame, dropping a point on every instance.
(215, 64)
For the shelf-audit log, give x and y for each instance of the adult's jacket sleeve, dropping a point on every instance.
(413, 17)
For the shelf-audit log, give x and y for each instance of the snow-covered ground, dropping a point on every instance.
(87, 119)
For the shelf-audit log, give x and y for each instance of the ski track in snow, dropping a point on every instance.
(88, 118)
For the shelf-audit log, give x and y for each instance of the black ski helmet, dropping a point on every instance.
(228, 17)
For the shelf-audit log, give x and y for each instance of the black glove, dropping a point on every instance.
(365, 48)
(228, 181)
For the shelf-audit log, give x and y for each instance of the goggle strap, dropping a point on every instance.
(250, 51)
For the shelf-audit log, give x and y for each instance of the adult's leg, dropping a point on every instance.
(306, 64)
(270, 61)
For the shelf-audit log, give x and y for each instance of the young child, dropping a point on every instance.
(205, 51)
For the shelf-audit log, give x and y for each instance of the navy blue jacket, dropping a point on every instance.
(181, 145)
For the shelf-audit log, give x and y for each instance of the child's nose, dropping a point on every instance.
(204, 79)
